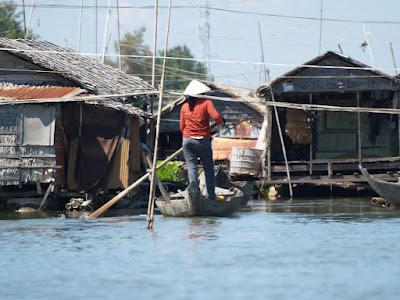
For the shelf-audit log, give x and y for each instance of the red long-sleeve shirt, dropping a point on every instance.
(195, 123)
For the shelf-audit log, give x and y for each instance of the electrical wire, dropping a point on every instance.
(227, 61)
(212, 8)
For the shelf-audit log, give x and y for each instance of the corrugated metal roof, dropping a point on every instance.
(23, 92)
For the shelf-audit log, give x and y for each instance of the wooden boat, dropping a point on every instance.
(191, 202)
(390, 191)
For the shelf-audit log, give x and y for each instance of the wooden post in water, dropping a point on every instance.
(278, 123)
(359, 129)
(310, 98)
(150, 208)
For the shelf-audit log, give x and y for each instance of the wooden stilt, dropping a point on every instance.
(278, 124)
(50, 188)
(150, 208)
(358, 96)
(310, 98)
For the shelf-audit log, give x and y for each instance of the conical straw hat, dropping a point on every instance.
(196, 88)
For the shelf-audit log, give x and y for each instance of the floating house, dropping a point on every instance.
(335, 113)
(67, 123)
(243, 112)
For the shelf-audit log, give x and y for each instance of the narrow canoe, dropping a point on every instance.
(390, 191)
(192, 203)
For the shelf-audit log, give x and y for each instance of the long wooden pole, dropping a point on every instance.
(30, 19)
(115, 199)
(263, 70)
(103, 57)
(278, 123)
(150, 208)
(80, 27)
(119, 38)
(24, 17)
(320, 27)
(359, 149)
(393, 58)
(155, 29)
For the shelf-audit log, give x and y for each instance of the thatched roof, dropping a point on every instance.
(264, 90)
(94, 77)
(226, 91)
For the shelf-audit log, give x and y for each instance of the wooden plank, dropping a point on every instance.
(336, 167)
(326, 180)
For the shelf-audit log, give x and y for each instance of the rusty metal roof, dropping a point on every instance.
(23, 92)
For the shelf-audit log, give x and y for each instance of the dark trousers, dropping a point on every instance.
(200, 148)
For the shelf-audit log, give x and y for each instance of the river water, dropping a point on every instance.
(302, 249)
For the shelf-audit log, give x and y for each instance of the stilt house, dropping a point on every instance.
(326, 132)
(66, 119)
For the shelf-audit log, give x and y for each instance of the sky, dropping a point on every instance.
(234, 42)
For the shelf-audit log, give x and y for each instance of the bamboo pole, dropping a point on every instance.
(393, 58)
(30, 19)
(150, 208)
(103, 57)
(278, 123)
(320, 27)
(119, 38)
(155, 28)
(359, 130)
(148, 163)
(310, 98)
(24, 17)
(115, 199)
(80, 27)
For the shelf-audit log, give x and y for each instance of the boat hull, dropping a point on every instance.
(191, 203)
(390, 191)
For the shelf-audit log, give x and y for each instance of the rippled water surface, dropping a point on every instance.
(304, 249)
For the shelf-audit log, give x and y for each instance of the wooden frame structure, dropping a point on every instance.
(347, 114)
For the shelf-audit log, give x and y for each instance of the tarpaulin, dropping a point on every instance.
(99, 131)
(38, 125)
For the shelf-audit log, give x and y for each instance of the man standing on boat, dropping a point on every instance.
(196, 133)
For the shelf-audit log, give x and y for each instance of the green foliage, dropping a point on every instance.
(172, 171)
(11, 23)
(178, 72)
(189, 69)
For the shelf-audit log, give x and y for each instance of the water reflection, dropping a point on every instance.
(203, 229)
(343, 209)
